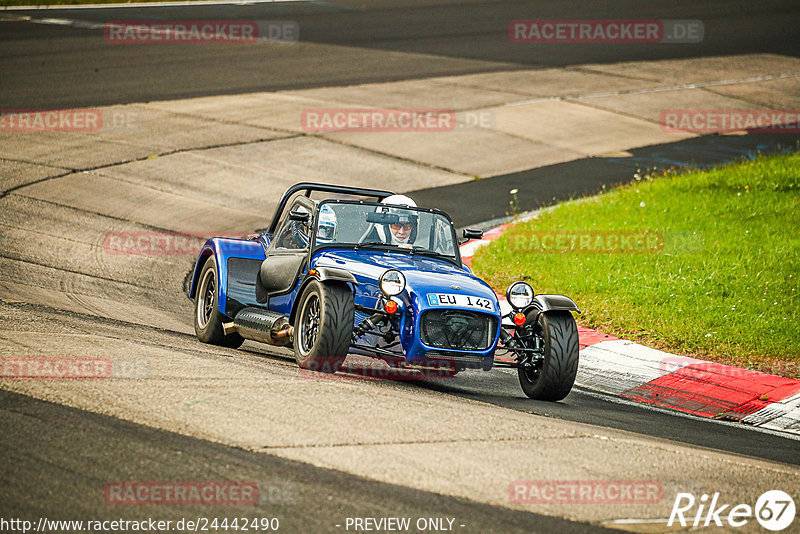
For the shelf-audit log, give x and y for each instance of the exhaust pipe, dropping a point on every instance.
(261, 325)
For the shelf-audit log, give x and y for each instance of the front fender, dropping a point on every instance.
(336, 275)
(223, 249)
(546, 303)
(326, 275)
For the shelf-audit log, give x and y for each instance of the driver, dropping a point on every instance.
(326, 227)
(401, 231)
(404, 231)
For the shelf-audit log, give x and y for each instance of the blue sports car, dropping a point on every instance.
(367, 272)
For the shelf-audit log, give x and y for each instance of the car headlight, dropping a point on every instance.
(519, 295)
(392, 282)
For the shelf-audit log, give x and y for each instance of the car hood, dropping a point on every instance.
(423, 274)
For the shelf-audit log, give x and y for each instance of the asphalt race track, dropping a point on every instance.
(329, 449)
(341, 44)
(39, 445)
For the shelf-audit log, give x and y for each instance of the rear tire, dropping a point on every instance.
(207, 318)
(556, 376)
(323, 327)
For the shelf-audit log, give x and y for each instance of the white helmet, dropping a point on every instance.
(399, 200)
(405, 217)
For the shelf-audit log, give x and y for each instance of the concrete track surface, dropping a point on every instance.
(201, 140)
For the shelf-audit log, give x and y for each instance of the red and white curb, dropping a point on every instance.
(629, 370)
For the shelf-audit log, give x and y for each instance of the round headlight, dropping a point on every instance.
(392, 282)
(519, 295)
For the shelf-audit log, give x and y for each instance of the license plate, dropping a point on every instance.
(463, 301)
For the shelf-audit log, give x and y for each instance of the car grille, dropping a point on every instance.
(470, 360)
(457, 329)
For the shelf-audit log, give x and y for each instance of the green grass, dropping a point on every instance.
(722, 284)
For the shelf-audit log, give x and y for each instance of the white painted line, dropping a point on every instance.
(263, 34)
(62, 22)
(67, 22)
(148, 4)
(664, 521)
(635, 521)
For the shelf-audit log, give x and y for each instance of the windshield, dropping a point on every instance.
(385, 226)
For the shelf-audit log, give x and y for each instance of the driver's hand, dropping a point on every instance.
(404, 245)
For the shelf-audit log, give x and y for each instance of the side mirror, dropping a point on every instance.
(470, 233)
(301, 216)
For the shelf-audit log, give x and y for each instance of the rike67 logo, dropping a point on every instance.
(774, 510)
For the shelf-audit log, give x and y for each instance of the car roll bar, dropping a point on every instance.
(309, 187)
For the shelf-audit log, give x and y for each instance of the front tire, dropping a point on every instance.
(323, 327)
(207, 318)
(553, 380)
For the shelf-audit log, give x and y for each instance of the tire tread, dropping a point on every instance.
(561, 361)
(336, 328)
(213, 333)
